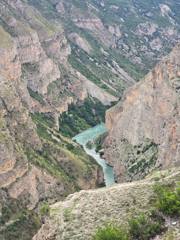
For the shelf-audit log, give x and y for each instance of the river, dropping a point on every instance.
(88, 135)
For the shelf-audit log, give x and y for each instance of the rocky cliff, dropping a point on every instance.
(144, 128)
(20, 136)
(37, 84)
(37, 164)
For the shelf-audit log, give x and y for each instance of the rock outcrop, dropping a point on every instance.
(81, 214)
(144, 128)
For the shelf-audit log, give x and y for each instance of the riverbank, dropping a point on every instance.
(89, 135)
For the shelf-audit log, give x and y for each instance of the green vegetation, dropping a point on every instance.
(16, 222)
(89, 144)
(59, 156)
(144, 227)
(79, 66)
(44, 209)
(168, 199)
(44, 160)
(134, 70)
(126, 14)
(141, 227)
(111, 232)
(141, 159)
(67, 214)
(43, 119)
(30, 67)
(43, 122)
(96, 67)
(99, 141)
(37, 96)
(81, 116)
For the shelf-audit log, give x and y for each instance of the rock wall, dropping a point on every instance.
(33, 53)
(144, 128)
(16, 125)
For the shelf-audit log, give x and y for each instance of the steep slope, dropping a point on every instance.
(37, 164)
(81, 214)
(21, 137)
(144, 128)
(114, 42)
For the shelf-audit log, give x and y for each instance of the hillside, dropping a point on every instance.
(114, 43)
(81, 214)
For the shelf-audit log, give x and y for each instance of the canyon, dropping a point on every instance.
(143, 128)
(58, 54)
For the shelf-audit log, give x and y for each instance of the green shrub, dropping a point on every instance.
(141, 227)
(44, 209)
(81, 117)
(144, 227)
(16, 222)
(168, 200)
(89, 145)
(111, 232)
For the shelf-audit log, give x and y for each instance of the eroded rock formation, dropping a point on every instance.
(32, 53)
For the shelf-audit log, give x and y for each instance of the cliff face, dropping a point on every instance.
(144, 128)
(43, 51)
(35, 163)
(16, 125)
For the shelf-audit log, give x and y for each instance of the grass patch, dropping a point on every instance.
(144, 227)
(44, 209)
(67, 214)
(168, 199)
(111, 232)
(61, 158)
(43, 118)
(140, 227)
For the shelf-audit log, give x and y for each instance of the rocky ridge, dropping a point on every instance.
(82, 213)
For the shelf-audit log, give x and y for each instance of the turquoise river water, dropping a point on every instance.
(88, 135)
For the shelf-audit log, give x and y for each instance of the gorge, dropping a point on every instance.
(67, 67)
(83, 213)
(88, 136)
